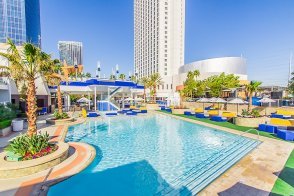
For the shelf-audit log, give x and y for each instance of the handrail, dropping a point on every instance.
(251, 130)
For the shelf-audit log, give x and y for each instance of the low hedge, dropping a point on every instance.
(5, 123)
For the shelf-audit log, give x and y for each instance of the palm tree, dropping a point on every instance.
(251, 88)
(54, 77)
(88, 75)
(26, 66)
(112, 77)
(122, 77)
(155, 80)
(145, 82)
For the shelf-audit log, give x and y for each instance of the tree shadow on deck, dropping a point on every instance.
(241, 189)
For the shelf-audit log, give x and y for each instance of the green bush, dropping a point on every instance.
(7, 111)
(255, 113)
(25, 144)
(5, 123)
(60, 116)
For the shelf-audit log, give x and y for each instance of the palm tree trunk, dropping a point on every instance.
(154, 96)
(59, 98)
(144, 94)
(32, 108)
(250, 102)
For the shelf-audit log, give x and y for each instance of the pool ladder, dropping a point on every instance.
(195, 178)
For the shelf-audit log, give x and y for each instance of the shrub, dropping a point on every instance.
(8, 111)
(31, 147)
(5, 123)
(58, 116)
(245, 112)
(255, 113)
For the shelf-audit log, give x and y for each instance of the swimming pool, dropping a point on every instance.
(152, 154)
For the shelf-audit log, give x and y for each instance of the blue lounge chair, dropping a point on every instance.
(187, 113)
(144, 111)
(271, 129)
(285, 135)
(168, 110)
(219, 119)
(277, 116)
(201, 115)
(111, 114)
(93, 114)
(43, 111)
(262, 127)
(162, 107)
(131, 113)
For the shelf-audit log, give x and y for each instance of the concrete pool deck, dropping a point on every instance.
(256, 172)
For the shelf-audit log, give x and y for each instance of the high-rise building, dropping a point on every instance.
(20, 21)
(71, 52)
(159, 37)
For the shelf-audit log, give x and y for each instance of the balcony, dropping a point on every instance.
(3, 84)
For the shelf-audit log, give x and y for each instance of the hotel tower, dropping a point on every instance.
(159, 29)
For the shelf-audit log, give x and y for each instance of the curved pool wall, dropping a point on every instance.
(151, 154)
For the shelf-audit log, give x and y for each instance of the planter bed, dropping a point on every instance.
(249, 122)
(53, 121)
(10, 169)
(179, 111)
(5, 131)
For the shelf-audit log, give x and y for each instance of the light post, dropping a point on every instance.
(130, 75)
(117, 71)
(76, 67)
(98, 71)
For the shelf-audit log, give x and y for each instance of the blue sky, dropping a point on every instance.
(260, 30)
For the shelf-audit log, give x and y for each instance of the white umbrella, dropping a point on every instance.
(219, 100)
(237, 101)
(139, 99)
(266, 100)
(212, 100)
(129, 99)
(83, 100)
(203, 100)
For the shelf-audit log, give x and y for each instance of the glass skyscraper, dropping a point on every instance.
(20, 21)
(71, 52)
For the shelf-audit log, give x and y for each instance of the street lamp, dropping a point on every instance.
(98, 71)
(117, 70)
(76, 67)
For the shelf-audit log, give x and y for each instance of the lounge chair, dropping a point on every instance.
(187, 113)
(219, 119)
(93, 114)
(285, 135)
(43, 111)
(268, 128)
(201, 115)
(111, 114)
(277, 116)
(168, 110)
(131, 113)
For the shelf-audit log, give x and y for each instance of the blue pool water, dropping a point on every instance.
(151, 155)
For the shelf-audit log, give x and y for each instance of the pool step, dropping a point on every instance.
(198, 177)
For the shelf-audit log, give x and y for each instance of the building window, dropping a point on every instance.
(167, 86)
